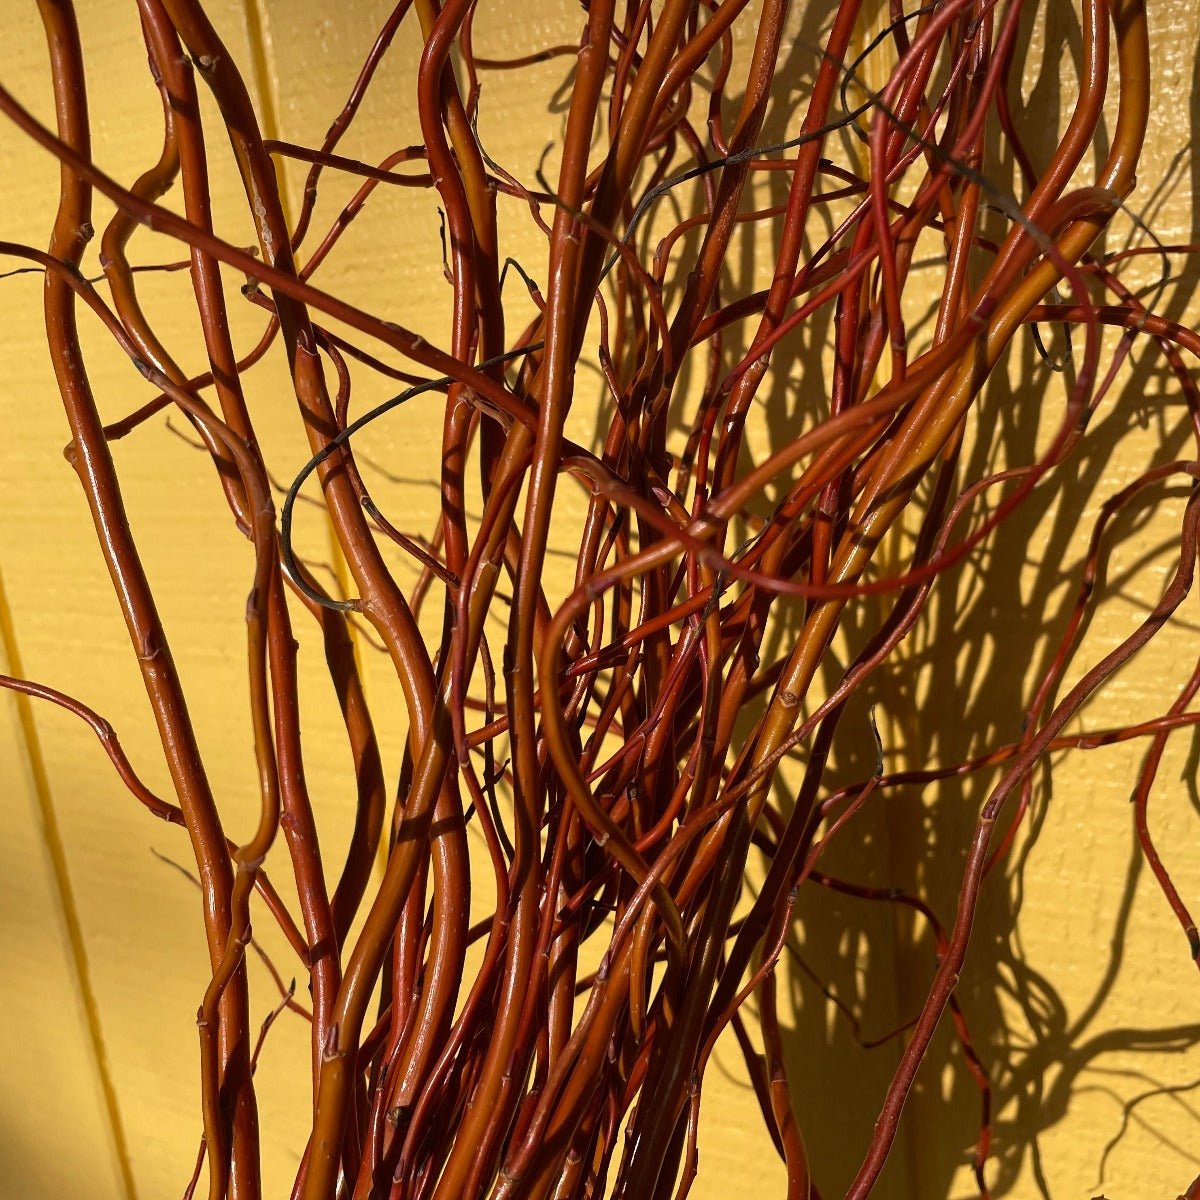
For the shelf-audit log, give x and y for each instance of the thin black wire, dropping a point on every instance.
(849, 118)
(1005, 201)
(287, 553)
(342, 438)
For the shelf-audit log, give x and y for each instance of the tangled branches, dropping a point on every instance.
(624, 753)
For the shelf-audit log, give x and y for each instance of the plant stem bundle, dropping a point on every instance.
(620, 744)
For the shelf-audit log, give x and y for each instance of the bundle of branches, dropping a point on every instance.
(620, 753)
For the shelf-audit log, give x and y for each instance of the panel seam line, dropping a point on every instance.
(68, 907)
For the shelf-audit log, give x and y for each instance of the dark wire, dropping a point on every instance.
(288, 555)
(1002, 200)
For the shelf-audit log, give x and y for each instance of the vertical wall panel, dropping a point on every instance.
(57, 1089)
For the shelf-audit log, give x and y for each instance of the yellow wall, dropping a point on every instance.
(102, 961)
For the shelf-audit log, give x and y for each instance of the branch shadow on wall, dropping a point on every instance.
(859, 969)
